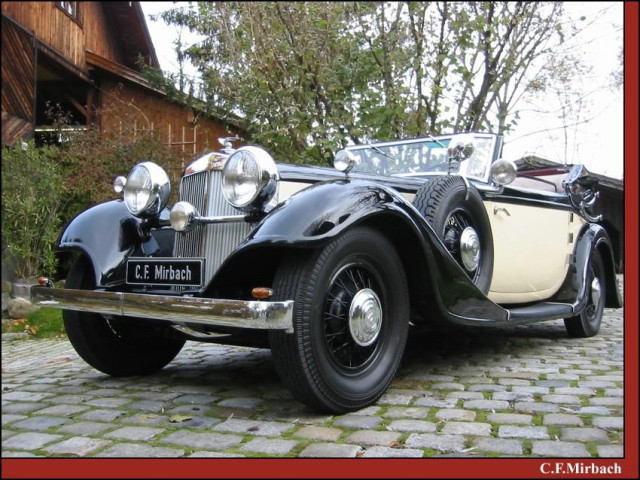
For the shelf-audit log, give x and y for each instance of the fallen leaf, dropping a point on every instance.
(146, 418)
(58, 360)
(393, 444)
(179, 418)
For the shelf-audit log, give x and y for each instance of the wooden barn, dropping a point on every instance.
(84, 56)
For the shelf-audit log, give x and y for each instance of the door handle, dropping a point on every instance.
(497, 209)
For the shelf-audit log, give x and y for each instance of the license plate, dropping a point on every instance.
(165, 271)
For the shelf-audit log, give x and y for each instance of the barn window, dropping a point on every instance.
(70, 8)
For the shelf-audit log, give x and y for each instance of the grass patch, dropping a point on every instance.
(45, 323)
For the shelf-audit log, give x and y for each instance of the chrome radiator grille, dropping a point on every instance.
(213, 242)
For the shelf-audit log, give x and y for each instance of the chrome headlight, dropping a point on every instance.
(147, 189)
(344, 161)
(182, 216)
(250, 179)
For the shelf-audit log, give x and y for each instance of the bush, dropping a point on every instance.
(91, 159)
(32, 190)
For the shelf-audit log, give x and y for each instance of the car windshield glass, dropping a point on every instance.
(421, 157)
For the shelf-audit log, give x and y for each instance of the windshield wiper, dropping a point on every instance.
(378, 150)
(434, 139)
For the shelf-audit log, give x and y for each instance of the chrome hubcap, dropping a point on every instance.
(595, 292)
(365, 317)
(470, 249)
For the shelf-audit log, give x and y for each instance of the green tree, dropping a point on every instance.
(311, 77)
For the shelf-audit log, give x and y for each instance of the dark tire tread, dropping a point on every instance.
(138, 350)
(291, 352)
(434, 199)
(431, 193)
(581, 326)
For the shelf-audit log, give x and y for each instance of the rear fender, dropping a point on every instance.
(592, 238)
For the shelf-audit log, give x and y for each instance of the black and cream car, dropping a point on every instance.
(330, 267)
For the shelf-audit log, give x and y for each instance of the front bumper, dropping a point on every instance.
(174, 309)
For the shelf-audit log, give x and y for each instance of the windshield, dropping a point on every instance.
(420, 157)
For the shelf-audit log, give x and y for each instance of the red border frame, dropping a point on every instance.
(415, 468)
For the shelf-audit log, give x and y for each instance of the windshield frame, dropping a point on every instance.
(491, 155)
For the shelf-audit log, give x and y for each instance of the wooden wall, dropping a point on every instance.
(18, 83)
(56, 29)
(174, 125)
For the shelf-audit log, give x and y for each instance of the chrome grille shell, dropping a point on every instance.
(214, 242)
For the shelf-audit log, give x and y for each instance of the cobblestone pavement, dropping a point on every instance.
(526, 391)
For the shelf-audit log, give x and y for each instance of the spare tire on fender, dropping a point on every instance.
(457, 214)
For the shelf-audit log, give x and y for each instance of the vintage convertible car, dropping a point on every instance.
(330, 268)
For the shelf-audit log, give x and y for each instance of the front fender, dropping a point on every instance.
(108, 234)
(320, 213)
(314, 216)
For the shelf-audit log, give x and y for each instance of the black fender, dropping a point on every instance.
(107, 234)
(313, 217)
(592, 237)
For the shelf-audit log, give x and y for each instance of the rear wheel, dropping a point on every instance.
(587, 324)
(351, 318)
(114, 345)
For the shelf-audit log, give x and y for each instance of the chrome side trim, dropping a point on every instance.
(174, 309)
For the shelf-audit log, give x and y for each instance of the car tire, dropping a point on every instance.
(456, 212)
(350, 321)
(587, 323)
(115, 346)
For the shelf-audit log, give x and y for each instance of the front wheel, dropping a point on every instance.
(114, 345)
(587, 323)
(351, 319)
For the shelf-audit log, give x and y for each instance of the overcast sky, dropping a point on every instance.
(597, 143)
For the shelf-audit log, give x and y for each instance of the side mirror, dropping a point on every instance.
(503, 172)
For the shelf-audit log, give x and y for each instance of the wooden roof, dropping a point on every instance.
(94, 60)
(130, 26)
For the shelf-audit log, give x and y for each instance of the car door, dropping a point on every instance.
(533, 235)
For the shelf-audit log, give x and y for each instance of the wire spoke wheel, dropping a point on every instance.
(352, 318)
(350, 321)
(462, 241)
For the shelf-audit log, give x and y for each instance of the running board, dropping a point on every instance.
(540, 311)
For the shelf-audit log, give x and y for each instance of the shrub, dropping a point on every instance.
(91, 159)
(32, 190)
